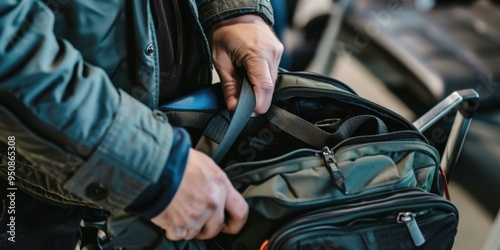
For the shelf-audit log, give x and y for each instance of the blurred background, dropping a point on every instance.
(407, 56)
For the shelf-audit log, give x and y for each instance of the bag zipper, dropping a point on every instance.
(392, 136)
(409, 218)
(307, 206)
(336, 176)
(411, 223)
(419, 200)
(304, 152)
(244, 168)
(320, 78)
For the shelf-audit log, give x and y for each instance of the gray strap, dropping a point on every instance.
(243, 112)
(316, 137)
(356, 126)
(296, 126)
(214, 132)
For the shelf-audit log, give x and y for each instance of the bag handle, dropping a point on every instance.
(317, 137)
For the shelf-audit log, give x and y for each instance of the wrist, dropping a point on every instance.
(218, 10)
(247, 18)
(157, 196)
(242, 19)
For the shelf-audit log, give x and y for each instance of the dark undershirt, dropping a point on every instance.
(168, 26)
(166, 14)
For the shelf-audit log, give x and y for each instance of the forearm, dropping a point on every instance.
(68, 118)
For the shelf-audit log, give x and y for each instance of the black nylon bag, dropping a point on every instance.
(323, 169)
(373, 224)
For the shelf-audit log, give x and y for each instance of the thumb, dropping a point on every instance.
(229, 81)
(259, 75)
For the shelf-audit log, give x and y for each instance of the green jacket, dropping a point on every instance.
(78, 88)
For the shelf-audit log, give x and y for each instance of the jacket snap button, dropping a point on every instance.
(160, 116)
(149, 50)
(96, 191)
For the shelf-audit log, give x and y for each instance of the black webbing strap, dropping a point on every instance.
(318, 138)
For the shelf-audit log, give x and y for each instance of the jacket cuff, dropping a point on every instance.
(218, 10)
(130, 157)
(157, 196)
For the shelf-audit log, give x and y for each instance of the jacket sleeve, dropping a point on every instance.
(67, 117)
(212, 11)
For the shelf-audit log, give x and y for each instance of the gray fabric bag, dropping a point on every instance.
(323, 169)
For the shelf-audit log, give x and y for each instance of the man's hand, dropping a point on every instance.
(197, 209)
(246, 42)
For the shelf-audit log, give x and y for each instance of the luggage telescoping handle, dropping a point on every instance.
(465, 103)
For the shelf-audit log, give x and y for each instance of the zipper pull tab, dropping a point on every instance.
(413, 229)
(337, 178)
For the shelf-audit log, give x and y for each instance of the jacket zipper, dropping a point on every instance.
(180, 33)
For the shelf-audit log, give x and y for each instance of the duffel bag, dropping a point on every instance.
(323, 167)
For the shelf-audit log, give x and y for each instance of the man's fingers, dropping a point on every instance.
(192, 233)
(237, 212)
(229, 80)
(260, 77)
(176, 233)
(213, 225)
(231, 91)
(188, 225)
